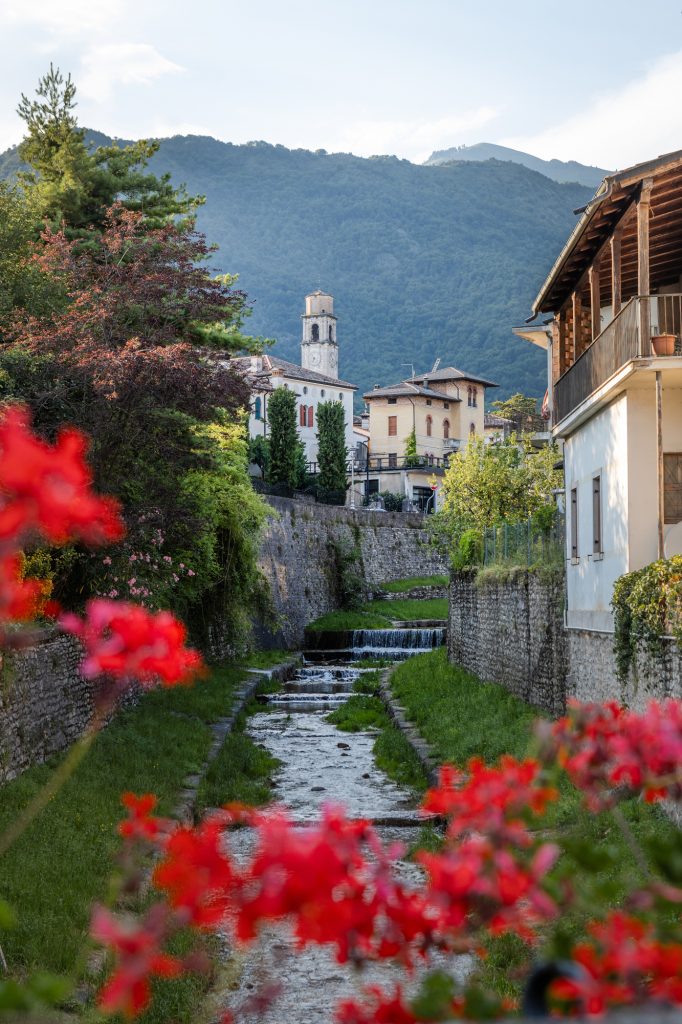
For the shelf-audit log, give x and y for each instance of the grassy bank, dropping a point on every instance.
(241, 772)
(402, 586)
(64, 861)
(381, 614)
(461, 717)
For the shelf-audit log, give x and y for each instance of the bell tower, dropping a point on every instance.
(319, 349)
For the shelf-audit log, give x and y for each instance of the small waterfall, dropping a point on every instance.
(396, 644)
(317, 688)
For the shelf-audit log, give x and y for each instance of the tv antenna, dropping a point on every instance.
(410, 365)
(435, 365)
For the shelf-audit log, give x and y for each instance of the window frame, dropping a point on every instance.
(597, 518)
(574, 536)
(392, 426)
(667, 517)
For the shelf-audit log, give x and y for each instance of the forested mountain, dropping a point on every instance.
(423, 261)
(558, 170)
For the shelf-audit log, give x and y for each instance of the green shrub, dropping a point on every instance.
(647, 605)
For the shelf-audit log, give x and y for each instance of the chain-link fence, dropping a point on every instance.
(528, 543)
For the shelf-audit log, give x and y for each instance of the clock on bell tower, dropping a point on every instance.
(319, 348)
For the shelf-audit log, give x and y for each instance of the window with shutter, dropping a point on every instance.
(574, 523)
(392, 426)
(597, 546)
(672, 487)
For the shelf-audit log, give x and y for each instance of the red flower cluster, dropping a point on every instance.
(609, 751)
(137, 947)
(378, 1008)
(140, 824)
(46, 488)
(625, 963)
(125, 640)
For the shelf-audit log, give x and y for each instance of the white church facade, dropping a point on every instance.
(316, 380)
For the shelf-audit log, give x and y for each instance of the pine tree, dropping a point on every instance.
(75, 185)
(284, 440)
(331, 452)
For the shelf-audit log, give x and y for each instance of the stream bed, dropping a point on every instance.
(319, 764)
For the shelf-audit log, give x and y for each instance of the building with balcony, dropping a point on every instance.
(444, 408)
(615, 381)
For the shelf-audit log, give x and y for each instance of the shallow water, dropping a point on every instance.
(319, 764)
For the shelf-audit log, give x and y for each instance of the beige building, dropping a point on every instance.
(443, 408)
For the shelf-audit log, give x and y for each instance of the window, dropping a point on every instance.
(446, 429)
(472, 429)
(302, 416)
(316, 332)
(446, 405)
(469, 396)
(428, 401)
(305, 391)
(574, 524)
(331, 333)
(257, 409)
(597, 548)
(392, 460)
(340, 396)
(429, 425)
(311, 415)
(474, 397)
(322, 392)
(371, 487)
(392, 426)
(672, 487)
(392, 401)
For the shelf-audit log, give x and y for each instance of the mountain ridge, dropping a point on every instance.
(563, 171)
(423, 261)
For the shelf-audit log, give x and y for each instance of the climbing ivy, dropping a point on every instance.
(647, 606)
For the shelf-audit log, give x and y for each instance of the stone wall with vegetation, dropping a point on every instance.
(507, 626)
(592, 672)
(45, 704)
(304, 546)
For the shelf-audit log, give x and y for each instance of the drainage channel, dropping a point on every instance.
(318, 765)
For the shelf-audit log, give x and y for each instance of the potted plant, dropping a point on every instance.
(663, 344)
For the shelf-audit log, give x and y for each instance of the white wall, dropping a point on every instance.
(313, 395)
(598, 447)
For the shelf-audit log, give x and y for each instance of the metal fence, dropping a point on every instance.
(525, 543)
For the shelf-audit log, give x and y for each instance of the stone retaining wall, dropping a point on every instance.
(298, 559)
(510, 630)
(45, 704)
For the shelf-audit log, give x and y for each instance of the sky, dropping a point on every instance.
(598, 81)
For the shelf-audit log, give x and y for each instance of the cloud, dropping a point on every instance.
(121, 64)
(622, 127)
(415, 140)
(63, 18)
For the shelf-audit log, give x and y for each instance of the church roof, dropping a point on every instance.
(419, 384)
(289, 370)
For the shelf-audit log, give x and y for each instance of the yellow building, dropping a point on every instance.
(443, 408)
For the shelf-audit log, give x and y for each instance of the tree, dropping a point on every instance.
(411, 457)
(486, 484)
(331, 452)
(74, 185)
(284, 438)
(522, 410)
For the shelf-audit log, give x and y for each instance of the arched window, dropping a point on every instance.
(305, 391)
(446, 428)
(257, 408)
(310, 415)
(316, 332)
(302, 416)
(474, 397)
(331, 333)
(472, 428)
(340, 396)
(468, 396)
(322, 392)
(429, 424)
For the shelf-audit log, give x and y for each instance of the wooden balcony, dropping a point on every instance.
(627, 337)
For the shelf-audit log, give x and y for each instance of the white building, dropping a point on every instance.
(314, 381)
(615, 382)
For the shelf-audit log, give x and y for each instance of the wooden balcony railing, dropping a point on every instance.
(617, 345)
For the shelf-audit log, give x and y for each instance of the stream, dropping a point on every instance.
(320, 764)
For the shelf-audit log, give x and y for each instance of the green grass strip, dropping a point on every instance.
(432, 608)
(402, 586)
(241, 772)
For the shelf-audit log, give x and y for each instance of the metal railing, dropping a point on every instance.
(617, 345)
(384, 463)
(525, 543)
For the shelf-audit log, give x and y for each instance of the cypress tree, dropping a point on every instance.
(284, 440)
(331, 452)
